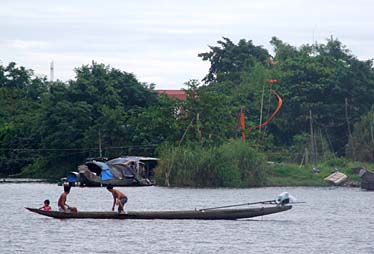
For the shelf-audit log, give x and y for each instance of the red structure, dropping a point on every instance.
(177, 94)
(242, 123)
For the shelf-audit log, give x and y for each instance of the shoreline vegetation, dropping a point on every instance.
(235, 165)
(238, 165)
(277, 175)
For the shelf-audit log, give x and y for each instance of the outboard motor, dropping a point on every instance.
(283, 198)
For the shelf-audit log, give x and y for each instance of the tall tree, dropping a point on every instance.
(210, 115)
(228, 60)
(20, 110)
(322, 78)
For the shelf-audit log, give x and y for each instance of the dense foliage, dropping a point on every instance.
(47, 128)
(234, 164)
(361, 144)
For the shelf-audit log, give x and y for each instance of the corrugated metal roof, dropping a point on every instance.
(177, 94)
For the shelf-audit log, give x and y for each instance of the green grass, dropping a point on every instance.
(292, 175)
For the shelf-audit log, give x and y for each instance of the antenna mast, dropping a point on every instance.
(51, 72)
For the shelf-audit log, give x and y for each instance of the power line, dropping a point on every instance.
(76, 149)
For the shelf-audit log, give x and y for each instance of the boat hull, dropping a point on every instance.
(367, 179)
(97, 182)
(216, 214)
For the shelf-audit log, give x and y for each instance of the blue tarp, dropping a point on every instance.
(72, 178)
(106, 175)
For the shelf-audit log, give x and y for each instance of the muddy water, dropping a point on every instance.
(333, 220)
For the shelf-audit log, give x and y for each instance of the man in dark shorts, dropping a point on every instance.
(62, 206)
(118, 198)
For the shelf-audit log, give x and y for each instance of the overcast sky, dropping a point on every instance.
(159, 40)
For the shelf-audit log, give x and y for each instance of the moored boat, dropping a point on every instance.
(121, 171)
(367, 179)
(201, 214)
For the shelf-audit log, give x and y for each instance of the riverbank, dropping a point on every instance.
(277, 175)
(283, 174)
(23, 180)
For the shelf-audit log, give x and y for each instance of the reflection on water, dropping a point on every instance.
(334, 220)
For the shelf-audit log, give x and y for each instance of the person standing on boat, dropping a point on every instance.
(62, 206)
(118, 198)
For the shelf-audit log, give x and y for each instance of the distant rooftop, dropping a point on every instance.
(177, 94)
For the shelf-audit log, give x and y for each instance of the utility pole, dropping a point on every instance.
(198, 132)
(306, 156)
(100, 151)
(346, 117)
(349, 125)
(312, 137)
(323, 151)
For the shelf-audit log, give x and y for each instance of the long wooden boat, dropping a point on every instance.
(213, 214)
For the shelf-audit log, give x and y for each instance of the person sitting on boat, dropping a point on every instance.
(62, 206)
(119, 198)
(46, 206)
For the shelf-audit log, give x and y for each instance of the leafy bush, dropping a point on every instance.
(233, 164)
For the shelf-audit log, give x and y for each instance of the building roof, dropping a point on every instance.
(177, 94)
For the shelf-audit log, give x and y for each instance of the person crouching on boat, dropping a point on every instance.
(62, 206)
(46, 206)
(119, 198)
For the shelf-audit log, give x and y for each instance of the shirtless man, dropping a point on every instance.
(62, 206)
(118, 198)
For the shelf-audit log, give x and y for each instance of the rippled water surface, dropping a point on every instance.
(333, 220)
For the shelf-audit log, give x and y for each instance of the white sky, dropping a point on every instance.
(159, 40)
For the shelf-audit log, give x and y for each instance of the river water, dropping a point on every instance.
(333, 220)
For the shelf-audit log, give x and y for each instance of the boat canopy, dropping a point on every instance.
(123, 160)
(118, 168)
(105, 170)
